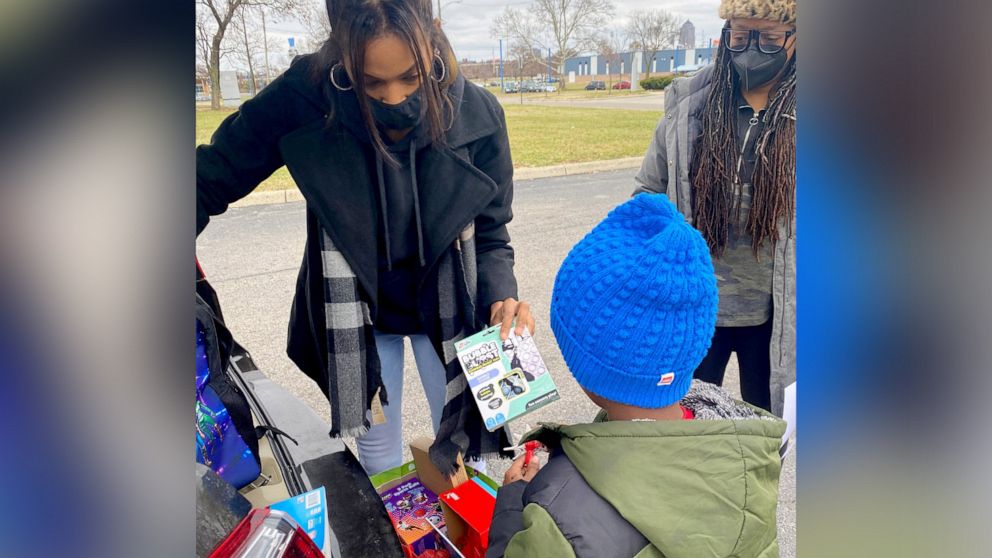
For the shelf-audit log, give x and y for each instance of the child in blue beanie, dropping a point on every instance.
(671, 467)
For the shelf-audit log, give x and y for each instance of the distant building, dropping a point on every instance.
(687, 35)
(664, 61)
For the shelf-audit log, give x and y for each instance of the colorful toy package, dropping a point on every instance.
(508, 378)
(416, 511)
(310, 512)
(413, 508)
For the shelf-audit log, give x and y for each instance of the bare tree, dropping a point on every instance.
(563, 27)
(651, 31)
(611, 46)
(250, 43)
(312, 14)
(440, 5)
(214, 19)
(221, 12)
(207, 56)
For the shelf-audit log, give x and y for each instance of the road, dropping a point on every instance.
(251, 256)
(654, 100)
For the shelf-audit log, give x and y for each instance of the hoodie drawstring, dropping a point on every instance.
(416, 206)
(385, 209)
(416, 202)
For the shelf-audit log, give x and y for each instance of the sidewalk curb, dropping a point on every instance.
(526, 173)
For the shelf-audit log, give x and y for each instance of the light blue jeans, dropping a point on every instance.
(382, 447)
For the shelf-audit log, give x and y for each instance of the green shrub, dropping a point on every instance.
(656, 82)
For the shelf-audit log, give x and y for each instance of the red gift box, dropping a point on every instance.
(468, 511)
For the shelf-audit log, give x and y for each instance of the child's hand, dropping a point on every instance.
(519, 471)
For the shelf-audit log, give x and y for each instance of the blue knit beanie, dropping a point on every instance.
(634, 305)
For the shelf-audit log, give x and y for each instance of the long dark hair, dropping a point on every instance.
(713, 170)
(354, 23)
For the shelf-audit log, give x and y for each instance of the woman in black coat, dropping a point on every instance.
(407, 176)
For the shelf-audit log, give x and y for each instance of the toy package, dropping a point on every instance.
(412, 507)
(424, 525)
(508, 378)
(310, 512)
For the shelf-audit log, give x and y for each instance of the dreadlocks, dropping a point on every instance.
(715, 185)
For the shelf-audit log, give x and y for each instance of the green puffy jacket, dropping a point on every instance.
(672, 489)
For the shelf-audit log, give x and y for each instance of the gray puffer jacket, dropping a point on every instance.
(665, 170)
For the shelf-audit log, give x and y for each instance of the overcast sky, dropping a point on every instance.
(468, 22)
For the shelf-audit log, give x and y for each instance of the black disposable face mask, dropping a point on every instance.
(397, 117)
(756, 68)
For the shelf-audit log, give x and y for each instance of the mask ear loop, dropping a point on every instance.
(334, 81)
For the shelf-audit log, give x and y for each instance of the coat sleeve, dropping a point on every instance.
(508, 517)
(653, 176)
(244, 150)
(494, 254)
(540, 536)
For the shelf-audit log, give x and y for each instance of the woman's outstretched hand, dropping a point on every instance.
(505, 311)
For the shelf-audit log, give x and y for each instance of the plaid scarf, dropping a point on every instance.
(353, 368)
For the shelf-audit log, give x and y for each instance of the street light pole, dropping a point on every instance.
(502, 86)
(549, 65)
(520, 77)
(265, 39)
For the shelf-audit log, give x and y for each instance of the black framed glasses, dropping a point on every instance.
(769, 42)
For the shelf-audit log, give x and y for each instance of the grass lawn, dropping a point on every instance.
(543, 135)
(539, 135)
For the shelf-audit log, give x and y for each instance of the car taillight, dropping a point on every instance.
(266, 533)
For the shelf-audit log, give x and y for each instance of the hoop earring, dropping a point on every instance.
(444, 69)
(334, 81)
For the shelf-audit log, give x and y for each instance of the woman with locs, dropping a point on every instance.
(725, 154)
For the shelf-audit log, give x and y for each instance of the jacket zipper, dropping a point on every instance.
(740, 163)
(747, 136)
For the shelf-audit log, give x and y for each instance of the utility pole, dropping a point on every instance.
(520, 78)
(251, 67)
(502, 86)
(265, 40)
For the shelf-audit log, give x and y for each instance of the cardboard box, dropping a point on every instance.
(508, 378)
(468, 510)
(413, 486)
(428, 474)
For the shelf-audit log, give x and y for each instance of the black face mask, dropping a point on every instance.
(756, 68)
(397, 117)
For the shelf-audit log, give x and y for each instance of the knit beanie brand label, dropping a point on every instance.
(634, 304)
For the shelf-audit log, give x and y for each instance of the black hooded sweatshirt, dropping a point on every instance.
(400, 230)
